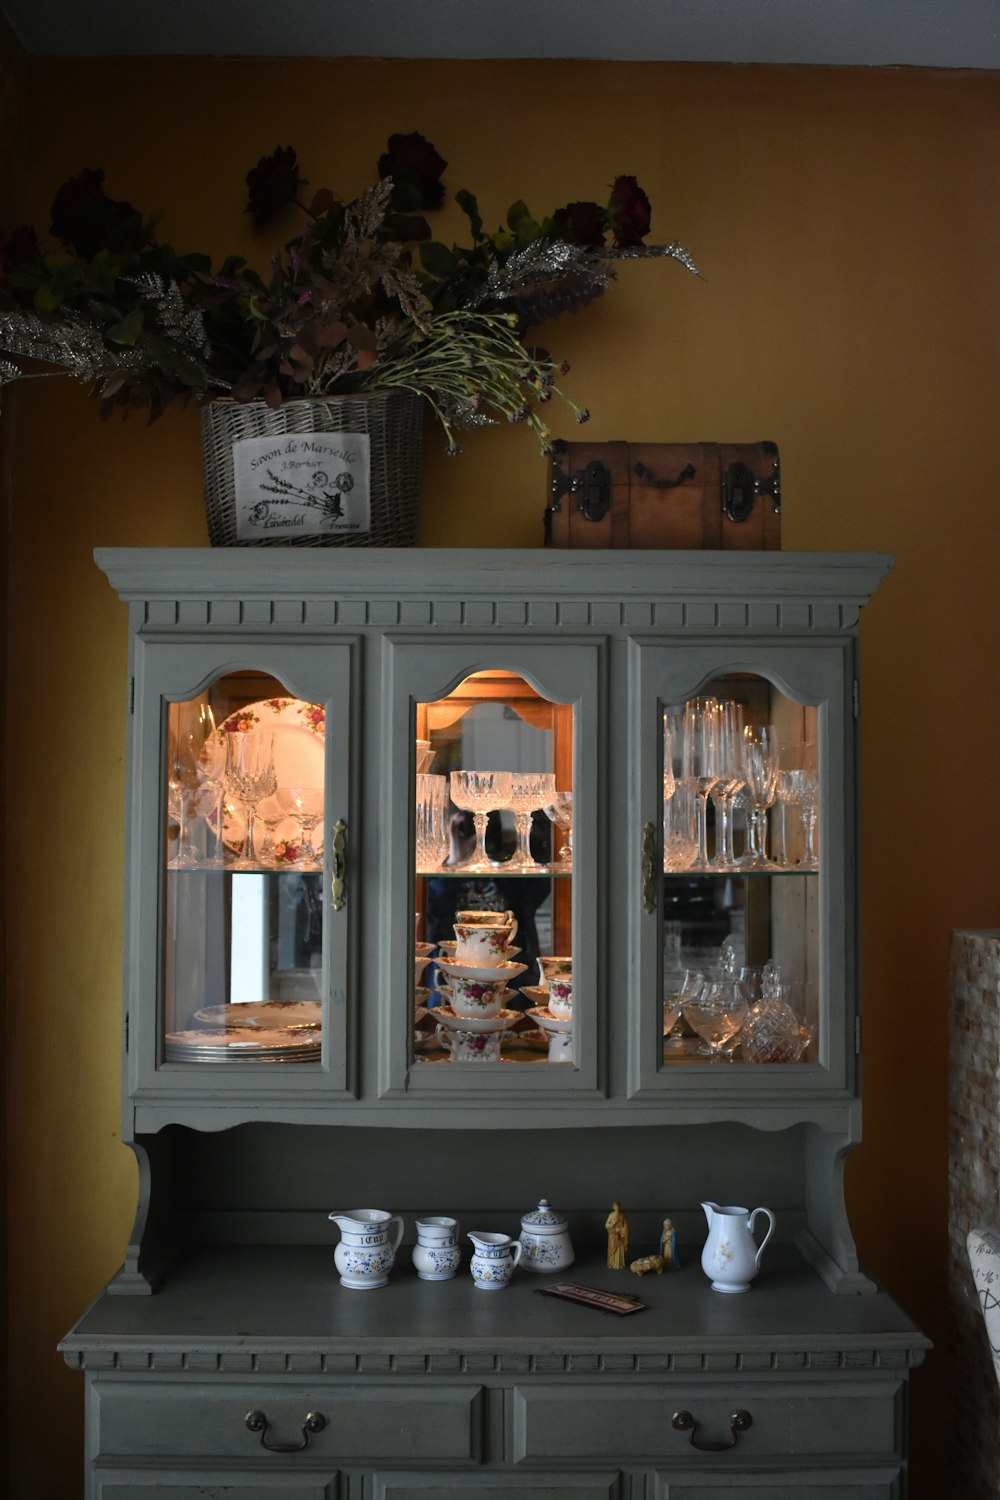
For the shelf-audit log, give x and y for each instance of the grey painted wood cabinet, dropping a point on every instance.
(574, 743)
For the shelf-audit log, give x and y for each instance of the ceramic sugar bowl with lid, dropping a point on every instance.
(545, 1240)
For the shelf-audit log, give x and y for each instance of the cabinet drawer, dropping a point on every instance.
(192, 1486)
(812, 1484)
(418, 1424)
(598, 1486)
(630, 1423)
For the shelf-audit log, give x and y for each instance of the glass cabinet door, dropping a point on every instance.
(499, 985)
(743, 782)
(246, 783)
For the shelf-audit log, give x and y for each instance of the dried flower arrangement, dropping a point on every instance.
(362, 299)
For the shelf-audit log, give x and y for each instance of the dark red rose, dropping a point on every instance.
(272, 183)
(415, 168)
(628, 211)
(580, 223)
(87, 220)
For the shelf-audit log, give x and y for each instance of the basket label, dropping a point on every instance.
(301, 484)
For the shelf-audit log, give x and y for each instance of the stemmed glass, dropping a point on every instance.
(805, 786)
(272, 814)
(193, 768)
(719, 1009)
(530, 791)
(730, 783)
(305, 805)
(760, 770)
(480, 792)
(702, 760)
(560, 812)
(250, 776)
(681, 987)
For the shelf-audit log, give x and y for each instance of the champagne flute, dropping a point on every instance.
(730, 783)
(250, 776)
(702, 761)
(760, 771)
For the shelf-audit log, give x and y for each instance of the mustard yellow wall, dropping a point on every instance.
(848, 228)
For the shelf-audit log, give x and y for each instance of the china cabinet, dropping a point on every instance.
(453, 880)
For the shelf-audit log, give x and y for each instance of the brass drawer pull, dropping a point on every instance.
(256, 1421)
(739, 1421)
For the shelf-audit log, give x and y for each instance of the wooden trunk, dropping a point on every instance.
(697, 495)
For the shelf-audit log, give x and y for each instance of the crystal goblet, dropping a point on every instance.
(530, 791)
(480, 792)
(250, 776)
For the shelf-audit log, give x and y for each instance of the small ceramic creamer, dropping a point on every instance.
(731, 1257)
(545, 1241)
(494, 1257)
(367, 1247)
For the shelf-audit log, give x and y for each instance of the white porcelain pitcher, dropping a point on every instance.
(731, 1257)
(367, 1247)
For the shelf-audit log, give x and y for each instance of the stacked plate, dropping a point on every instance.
(264, 1015)
(221, 1044)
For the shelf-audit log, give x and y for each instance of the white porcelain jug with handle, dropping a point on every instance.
(731, 1257)
(367, 1247)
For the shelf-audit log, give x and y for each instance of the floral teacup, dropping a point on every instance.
(470, 1046)
(561, 996)
(482, 946)
(489, 919)
(474, 997)
(551, 967)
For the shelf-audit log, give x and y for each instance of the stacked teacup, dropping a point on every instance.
(553, 1009)
(474, 984)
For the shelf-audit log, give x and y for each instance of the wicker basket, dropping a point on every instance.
(393, 421)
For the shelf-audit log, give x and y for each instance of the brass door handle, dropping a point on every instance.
(256, 1421)
(339, 864)
(739, 1421)
(649, 868)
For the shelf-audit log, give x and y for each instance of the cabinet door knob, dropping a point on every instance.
(339, 864)
(256, 1421)
(739, 1421)
(649, 868)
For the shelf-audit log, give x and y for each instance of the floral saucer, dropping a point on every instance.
(548, 1021)
(481, 971)
(477, 1025)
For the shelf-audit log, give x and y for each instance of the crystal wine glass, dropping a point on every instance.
(560, 812)
(305, 805)
(702, 760)
(806, 796)
(530, 791)
(760, 770)
(250, 776)
(480, 792)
